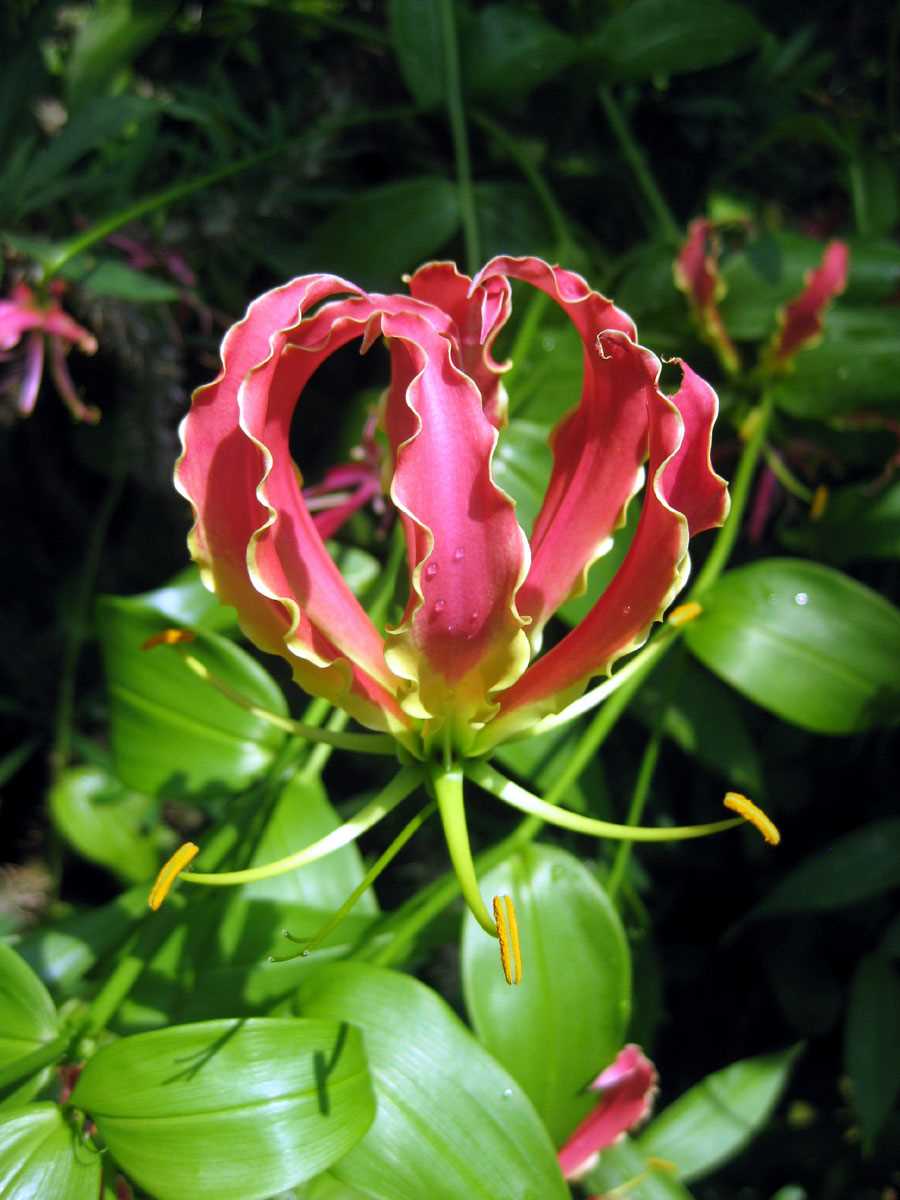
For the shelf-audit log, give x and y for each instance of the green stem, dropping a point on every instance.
(44, 1056)
(720, 553)
(448, 789)
(460, 137)
(666, 224)
(401, 786)
(785, 475)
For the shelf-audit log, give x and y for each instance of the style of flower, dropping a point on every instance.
(627, 1089)
(462, 670)
(44, 325)
(348, 487)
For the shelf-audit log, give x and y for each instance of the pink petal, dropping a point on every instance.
(478, 315)
(34, 370)
(801, 322)
(237, 472)
(329, 520)
(697, 275)
(627, 1089)
(63, 381)
(684, 496)
(461, 638)
(598, 448)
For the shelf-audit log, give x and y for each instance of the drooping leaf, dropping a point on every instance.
(105, 821)
(574, 998)
(115, 279)
(508, 50)
(172, 731)
(716, 1118)
(805, 642)
(623, 1162)
(112, 36)
(42, 1155)
(872, 1042)
(27, 1021)
(450, 1121)
(236, 1109)
(418, 37)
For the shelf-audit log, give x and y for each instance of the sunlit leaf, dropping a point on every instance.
(104, 821)
(42, 1155)
(27, 1020)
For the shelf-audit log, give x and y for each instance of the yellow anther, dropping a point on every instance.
(168, 637)
(169, 873)
(755, 815)
(508, 935)
(819, 503)
(685, 613)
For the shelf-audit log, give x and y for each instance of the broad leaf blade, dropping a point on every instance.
(27, 1020)
(41, 1155)
(872, 1043)
(104, 821)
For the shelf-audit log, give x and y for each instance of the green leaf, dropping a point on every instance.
(380, 232)
(238, 1110)
(43, 1156)
(185, 601)
(603, 569)
(418, 37)
(171, 731)
(623, 1162)
(874, 270)
(714, 1120)
(656, 37)
(509, 220)
(872, 1043)
(857, 524)
(803, 641)
(855, 867)
(575, 995)
(753, 298)
(105, 822)
(27, 1021)
(507, 51)
(113, 34)
(450, 1121)
(521, 467)
(109, 278)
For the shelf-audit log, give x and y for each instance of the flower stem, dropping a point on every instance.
(448, 789)
(460, 137)
(666, 224)
(44, 1056)
(136, 955)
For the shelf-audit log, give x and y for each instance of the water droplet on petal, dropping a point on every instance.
(506, 1094)
(451, 629)
(440, 605)
(801, 598)
(459, 554)
(626, 608)
(431, 570)
(473, 615)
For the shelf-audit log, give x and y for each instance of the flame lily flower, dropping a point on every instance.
(627, 1089)
(696, 271)
(800, 323)
(461, 671)
(44, 323)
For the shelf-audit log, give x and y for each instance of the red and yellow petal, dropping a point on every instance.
(696, 271)
(800, 323)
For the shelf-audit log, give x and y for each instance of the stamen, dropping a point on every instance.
(755, 815)
(169, 873)
(684, 614)
(508, 936)
(169, 637)
(819, 503)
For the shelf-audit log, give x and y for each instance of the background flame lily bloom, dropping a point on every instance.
(458, 667)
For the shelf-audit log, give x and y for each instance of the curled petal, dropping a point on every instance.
(23, 312)
(696, 271)
(344, 490)
(684, 496)
(237, 472)
(598, 448)
(461, 638)
(627, 1090)
(59, 372)
(478, 313)
(31, 378)
(801, 322)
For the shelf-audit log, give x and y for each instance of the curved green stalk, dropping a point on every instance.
(511, 793)
(402, 785)
(448, 790)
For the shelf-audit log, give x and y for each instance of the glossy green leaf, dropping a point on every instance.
(655, 37)
(43, 1157)
(418, 37)
(381, 232)
(521, 467)
(805, 642)
(238, 1110)
(185, 601)
(852, 868)
(27, 1021)
(105, 821)
(508, 50)
(872, 1042)
(450, 1121)
(575, 994)
(112, 35)
(171, 731)
(622, 1163)
(858, 523)
(716, 1118)
(115, 279)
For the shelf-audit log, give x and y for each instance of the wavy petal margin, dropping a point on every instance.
(696, 272)
(627, 1092)
(800, 323)
(236, 470)
(684, 496)
(461, 638)
(598, 448)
